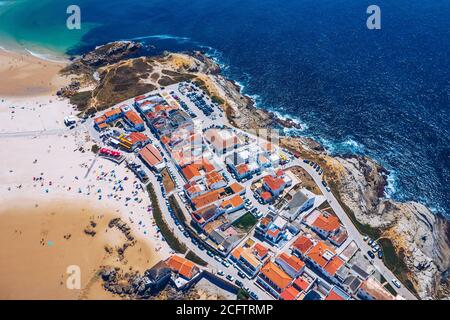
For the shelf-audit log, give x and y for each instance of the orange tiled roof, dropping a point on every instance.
(236, 187)
(290, 293)
(332, 295)
(273, 232)
(328, 222)
(301, 284)
(273, 183)
(134, 137)
(100, 119)
(276, 275)
(294, 262)
(134, 117)
(248, 256)
(260, 250)
(236, 253)
(213, 177)
(112, 112)
(266, 195)
(316, 253)
(242, 168)
(207, 198)
(151, 155)
(182, 266)
(102, 125)
(234, 201)
(302, 244)
(333, 265)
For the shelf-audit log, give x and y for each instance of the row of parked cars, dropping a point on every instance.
(376, 249)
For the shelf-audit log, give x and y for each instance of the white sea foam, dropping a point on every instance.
(46, 56)
(163, 37)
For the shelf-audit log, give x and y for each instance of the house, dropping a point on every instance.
(337, 293)
(325, 260)
(290, 293)
(184, 271)
(276, 183)
(371, 289)
(207, 198)
(197, 170)
(222, 140)
(273, 279)
(159, 276)
(326, 224)
(194, 189)
(292, 265)
(301, 201)
(246, 261)
(152, 158)
(301, 246)
(133, 140)
(206, 214)
(232, 204)
(260, 251)
(215, 180)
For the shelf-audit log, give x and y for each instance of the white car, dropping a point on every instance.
(220, 273)
(396, 283)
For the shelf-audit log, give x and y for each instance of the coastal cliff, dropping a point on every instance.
(419, 240)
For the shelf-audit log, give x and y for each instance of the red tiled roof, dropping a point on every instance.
(327, 223)
(261, 251)
(332, 295)
(134, 137)
(302, 244)
(294, 262)
(276, 275)
(182, 266)
(316, 253)
(273, 183)
(242, 168)
(151, 155)
(134, 118)
(266, 195)
(301, 284)
(234, 202)
(333, 265)
(236, 187)
(207, 198)
(112, 112)
(290, 293)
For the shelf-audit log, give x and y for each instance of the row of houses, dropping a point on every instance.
(130, 117)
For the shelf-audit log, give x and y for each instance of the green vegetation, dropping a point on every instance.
(395, 262)
(246, 222)
(176, 209)
(168, 235)
(390, 289)
(81, 99)
(196, 259)
(242, 295)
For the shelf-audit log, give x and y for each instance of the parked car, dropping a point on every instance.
(241, 274)
(218, 259)
(239, 283)
(209, 253)
(380, 254)
(253, 295)
(186, 234)
(371, 255)
(225, 263)
(220, 273)
(396, 283)
(230, 277)
(365, 238)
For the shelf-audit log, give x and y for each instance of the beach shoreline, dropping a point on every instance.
(50, 181)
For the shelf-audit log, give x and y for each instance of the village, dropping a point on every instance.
(256, 219)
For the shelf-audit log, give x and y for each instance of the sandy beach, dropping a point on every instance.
(52, 186)
(26, 75)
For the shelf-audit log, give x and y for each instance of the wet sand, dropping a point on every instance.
(39, 243)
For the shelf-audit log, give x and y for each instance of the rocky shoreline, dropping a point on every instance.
(115, 72)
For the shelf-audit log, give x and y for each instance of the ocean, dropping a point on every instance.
(382, 93)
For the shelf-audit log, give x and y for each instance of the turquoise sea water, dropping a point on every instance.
(383, 93)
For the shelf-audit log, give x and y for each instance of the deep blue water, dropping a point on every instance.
(383, 93)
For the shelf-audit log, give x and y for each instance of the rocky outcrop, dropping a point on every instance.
(417, 233)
